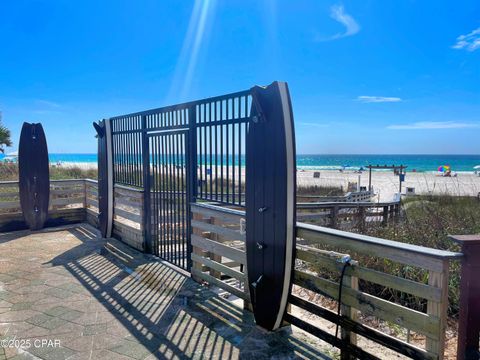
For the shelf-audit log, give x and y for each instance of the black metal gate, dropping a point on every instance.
(181, 154)
(169, 204)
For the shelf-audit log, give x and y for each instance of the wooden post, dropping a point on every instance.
(333, 216)
(362, 215)
(469, 322)
(385, 215)
(196, 250)
(347, 336)
(218, 258)
(438, 309)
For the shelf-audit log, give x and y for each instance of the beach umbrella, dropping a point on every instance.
(476, 167)
(444, 168)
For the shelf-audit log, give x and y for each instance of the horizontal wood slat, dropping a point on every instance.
(371, 305)
(366, 331)
(219, 267)
(315, 257)
(214, 281)
(219, 249)
(229, 234)
(422, 257)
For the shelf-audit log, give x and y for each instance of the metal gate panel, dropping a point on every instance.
(221, 128)
(170, 210)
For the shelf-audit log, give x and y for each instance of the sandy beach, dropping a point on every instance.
(385, 184)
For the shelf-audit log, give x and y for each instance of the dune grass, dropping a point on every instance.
(9, 172)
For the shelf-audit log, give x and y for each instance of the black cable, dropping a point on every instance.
(347, 263)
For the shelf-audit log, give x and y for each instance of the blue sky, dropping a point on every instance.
(365, 76)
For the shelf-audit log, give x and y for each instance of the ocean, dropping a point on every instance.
(419, 163)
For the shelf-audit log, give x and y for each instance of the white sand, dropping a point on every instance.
(385, 184)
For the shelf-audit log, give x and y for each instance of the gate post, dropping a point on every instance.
(469, 322)
(105, 177)
(191, 167)
(147, 210)
(270, 203)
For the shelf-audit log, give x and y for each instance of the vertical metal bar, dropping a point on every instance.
(177, 199)
(204, 140)
(191, 172)
(227, 146)
(175, 188)
(200, 154)
(147, 218)
(167, 193)
(216, 151)
(233, 152)
(211, 149)
(221, 152)
(163, 194)
(184, 192)
(240, 139)
(135, 158)
(152, 147)
(129, 151)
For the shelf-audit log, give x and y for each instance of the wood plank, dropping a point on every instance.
(66, 201)
(438, 309)
(219, 267)
(368, 332)
(229, 234)
(122, 201)
(124, 227)
(10, 204)
(70, 191)
(214, 281)
(219, 249)
(127, 215)
(92, 202)
(321, 334)
(372, 305)
(408, 254)
(351, 313)
(315, 257)
(221, 213)
(9, 195)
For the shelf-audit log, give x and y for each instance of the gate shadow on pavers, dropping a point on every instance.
(144, 307)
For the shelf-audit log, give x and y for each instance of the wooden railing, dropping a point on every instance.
(73, 201)
(347, 215)
(354, 196)
(321, 254)
(218, 249)
(67, 204)
(218, 245)
(127, 212)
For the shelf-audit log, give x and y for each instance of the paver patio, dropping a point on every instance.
(63, 285)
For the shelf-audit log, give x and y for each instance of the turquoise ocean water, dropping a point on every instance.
(420, 163)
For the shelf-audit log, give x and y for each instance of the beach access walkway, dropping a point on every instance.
(64, 295)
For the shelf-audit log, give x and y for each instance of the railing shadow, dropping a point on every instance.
(168, 313)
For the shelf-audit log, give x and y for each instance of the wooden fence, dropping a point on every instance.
(354, 196)
(218, 244)
(74, 201)
(67, 204)
(219, 259)
(319, 262)
(347, 215)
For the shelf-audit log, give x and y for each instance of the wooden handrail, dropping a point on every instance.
(370, 240)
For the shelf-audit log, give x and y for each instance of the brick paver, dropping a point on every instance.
(63, 297)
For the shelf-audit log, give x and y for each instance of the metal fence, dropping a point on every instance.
(180, 154)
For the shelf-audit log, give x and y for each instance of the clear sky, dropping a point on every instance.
(365, 76)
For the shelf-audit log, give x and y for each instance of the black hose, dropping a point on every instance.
(347, 263)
